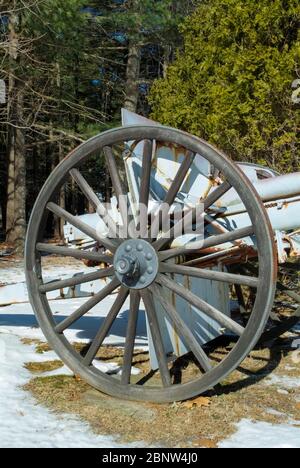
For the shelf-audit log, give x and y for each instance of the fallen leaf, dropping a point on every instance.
(207, 443)
(199, 402)
(298, 406)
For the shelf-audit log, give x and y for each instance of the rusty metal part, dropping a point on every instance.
(234, 256)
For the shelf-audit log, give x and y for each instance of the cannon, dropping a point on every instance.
(186, 236)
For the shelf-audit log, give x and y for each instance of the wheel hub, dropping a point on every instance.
(136, 264)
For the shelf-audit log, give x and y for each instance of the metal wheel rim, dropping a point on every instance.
(265, 242)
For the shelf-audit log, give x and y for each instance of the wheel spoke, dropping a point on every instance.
(83, 227)
(210, 200)
(145, 187)
(76, 280)
(210, 275)
(179, 178)
(116, 182)
(157, 338)
(146, 172)
(168, 237)
(74, 253)
(201, 305)
(105, 328)
(93, 199)
(229, 236)
(173, 191)
(211, 241)
(85, 308)
(135, 300)
(221, 229)
(182, 329)
(216, 195)
(213, 257)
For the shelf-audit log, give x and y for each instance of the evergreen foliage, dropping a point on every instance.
(232, 82)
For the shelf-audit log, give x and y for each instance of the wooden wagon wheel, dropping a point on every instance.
(144, 269)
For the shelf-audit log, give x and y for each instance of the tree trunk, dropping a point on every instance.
(16, 186)
(13, 55)
(20, 177)
(132, 76)
(10, 206)
(59, 222)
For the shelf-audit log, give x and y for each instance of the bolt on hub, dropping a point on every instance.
(136, 264)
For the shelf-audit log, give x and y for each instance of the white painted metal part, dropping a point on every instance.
(280, 193)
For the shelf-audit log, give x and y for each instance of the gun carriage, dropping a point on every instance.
(243, 222)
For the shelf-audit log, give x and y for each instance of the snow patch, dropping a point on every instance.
(263, 435)
(107, 368)
(283, 382)
(13, 275)
(20, 320)
(24, 424)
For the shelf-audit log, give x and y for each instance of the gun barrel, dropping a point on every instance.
(285, 186)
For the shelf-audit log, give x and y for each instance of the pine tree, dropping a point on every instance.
(139, 28)
(40, 46)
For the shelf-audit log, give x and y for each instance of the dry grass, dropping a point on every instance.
(40, 367)
(40, 346)
(244, 394)
(13, 261)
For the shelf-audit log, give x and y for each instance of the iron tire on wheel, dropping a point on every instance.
(266, 283)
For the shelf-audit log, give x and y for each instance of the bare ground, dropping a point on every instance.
(247, 393)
